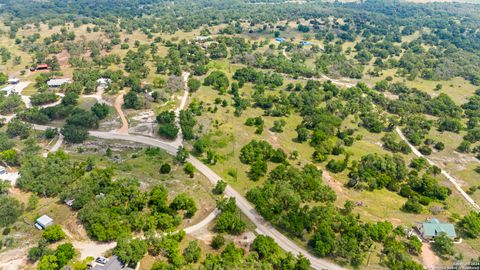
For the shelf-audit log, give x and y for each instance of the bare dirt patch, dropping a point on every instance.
(430, 260)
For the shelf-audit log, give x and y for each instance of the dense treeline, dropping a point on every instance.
(299, 203)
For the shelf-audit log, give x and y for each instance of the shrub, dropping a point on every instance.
(218, 241)
(165, 168)
(220, 187)
(53, 233)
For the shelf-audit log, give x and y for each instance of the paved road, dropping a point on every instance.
(263, 227)
(203, 223)
(19, 88)
(450, 178)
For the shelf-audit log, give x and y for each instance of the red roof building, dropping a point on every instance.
(42, 66)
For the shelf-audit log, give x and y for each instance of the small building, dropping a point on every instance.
(9, 89)
(433, 227)
(305, 43)
(43, 222)
(3, 170)
(42, 67)
(69, 202)
(280, 40)
(202, 38)
(114, 263)
(13, 81)
(57, 82)
(104, 82)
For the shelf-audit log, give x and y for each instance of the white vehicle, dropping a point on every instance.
(101, 260)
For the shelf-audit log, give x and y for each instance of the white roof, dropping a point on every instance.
(13, 80)
(8, 88)
(57, 82)
(44, 220)
(104, 81)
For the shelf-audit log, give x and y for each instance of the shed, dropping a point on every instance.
(305, 43)
(433, 227)
(57, 82)
(13, 81)
(43, 222)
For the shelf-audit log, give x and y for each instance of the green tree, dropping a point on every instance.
(470, 224)
(414, 245)
(193, 84)
(17, 128)
(189, 169)
(74, 134)
(443, 245)
(64, 253)
(183, 202)
(192, 252)
(229, 222)
(323, 241)
(182, 155)
(266, 247)
(168, 131)
(218, 241)
(130, 251)
(165, 168)
(3, 78)
(100, 110)
(220, 187)
(53, 233)
(48, 262)
(10, 210)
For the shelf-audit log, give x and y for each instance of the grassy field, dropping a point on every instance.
(135, 163)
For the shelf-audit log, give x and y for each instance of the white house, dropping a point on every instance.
(57, 82)
(43, 222)
(13, 81)
(9, 89)
(104, 82)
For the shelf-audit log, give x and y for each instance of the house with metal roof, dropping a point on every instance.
(57, 82)
(280, 40)
(43, 222)
(433, 227)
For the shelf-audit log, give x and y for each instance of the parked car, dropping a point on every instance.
(101, 260)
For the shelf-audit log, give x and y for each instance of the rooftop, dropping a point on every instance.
(8, 88)
(57, 82)
(434, 227)
(44, 220)
(113, 263)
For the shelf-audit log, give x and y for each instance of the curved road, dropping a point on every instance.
(263, 227)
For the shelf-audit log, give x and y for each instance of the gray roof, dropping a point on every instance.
(44, 220)
(114, 264)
